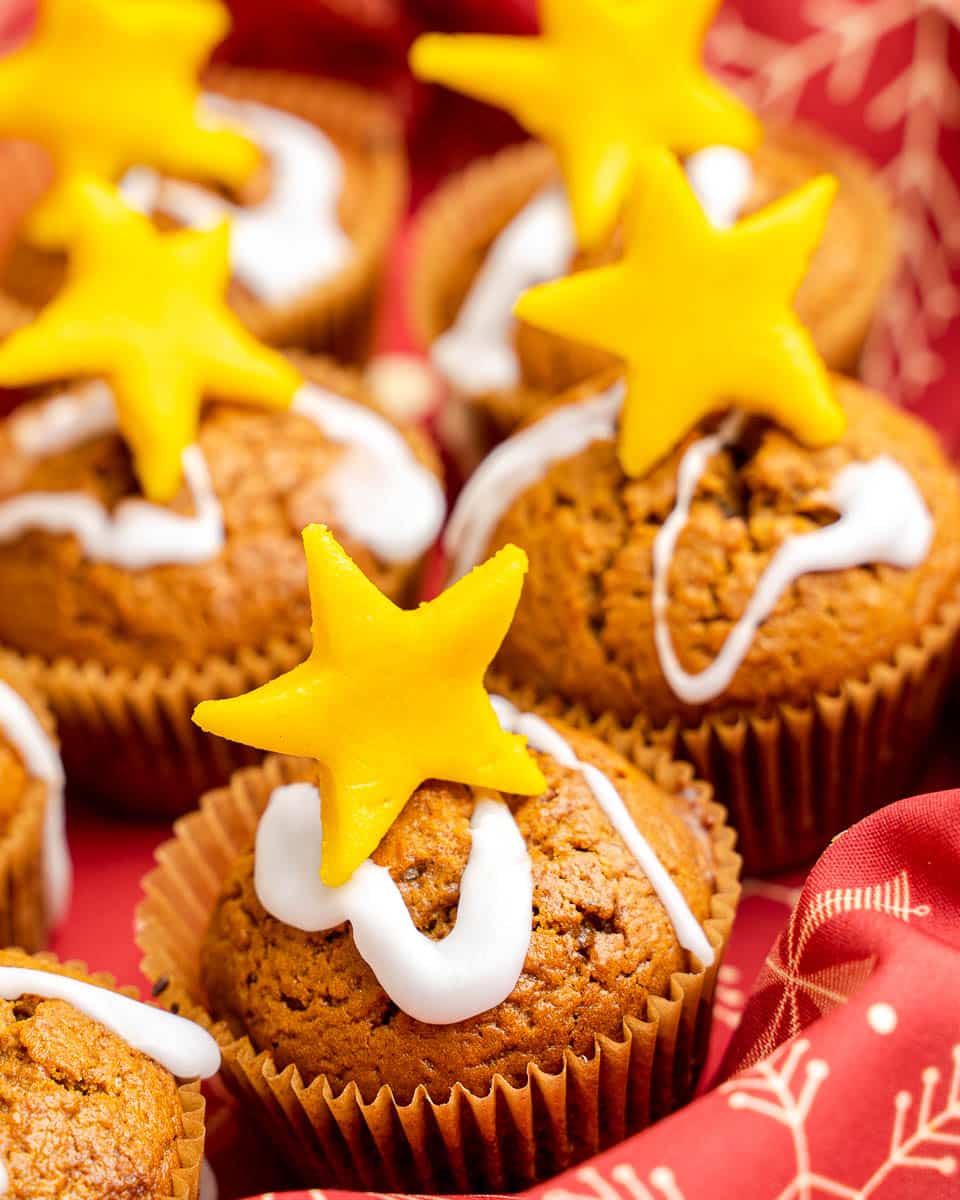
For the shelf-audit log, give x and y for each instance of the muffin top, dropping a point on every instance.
(271, 472)
(585, 626)
(845, 276)
(79, 1104)
(602, 941)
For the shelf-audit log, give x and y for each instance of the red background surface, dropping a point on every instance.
(367, 39)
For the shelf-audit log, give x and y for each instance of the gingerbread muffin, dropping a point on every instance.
(454, 963)
(34, 860)
(806, 705)
(511, 223)
(148, 535)
(312, 174)
(81, 1104)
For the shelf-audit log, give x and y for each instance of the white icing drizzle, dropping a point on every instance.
(437, 982)
(136, 534)
(543, 737)
(882, 519)
(383, 496)
(519, 462)
(40, 758)
(178, 1045)
(292, 241)
(477, 965)
(65, 420)
(722, 179)
(476, 353)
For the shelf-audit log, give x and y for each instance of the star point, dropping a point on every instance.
(702, 318)
(604, 83)
(108, 84)
(146, 311)
(387, 698)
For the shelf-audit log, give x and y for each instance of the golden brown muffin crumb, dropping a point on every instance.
(270, 471)
(82, 1115)
(601, 944)
(584, 627)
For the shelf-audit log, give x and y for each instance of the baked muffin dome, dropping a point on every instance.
(602, 942)
(272, 473)
(585, 626)
(78, 1104)
(836, 302)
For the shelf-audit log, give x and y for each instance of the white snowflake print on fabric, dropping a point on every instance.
(924, 1133)
(918, 105)
(808, 988)
(622, 1183)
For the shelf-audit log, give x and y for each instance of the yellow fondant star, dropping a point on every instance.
(702, 317)
(604, 83)
(145, 310)
(387, 698)
(104, 85)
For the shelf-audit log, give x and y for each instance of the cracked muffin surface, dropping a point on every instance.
(601, 943)
(272, 473)
(585, 629)
(82, 1115)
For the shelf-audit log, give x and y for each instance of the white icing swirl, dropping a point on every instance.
(517, 463)
(543, 737)
(477, 965)
(476, 354)
(23, 730)
(178, 1045)
(437, 982)
(381, 494)
(136, 534)
(292, 241)
(882, 519)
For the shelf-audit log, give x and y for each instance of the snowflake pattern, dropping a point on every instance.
(821, 990)
(623, 1184)
(844, 39)
(772, 1089)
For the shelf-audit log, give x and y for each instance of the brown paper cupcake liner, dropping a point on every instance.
(338, 315)
(504, 1140)
(127, 738)
(185, 1180)
(837, 302)
(793, 778)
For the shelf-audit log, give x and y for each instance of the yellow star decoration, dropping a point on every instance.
(702, 317)
(146, 311)
(105, 84)
(604, 83)
(387, 698)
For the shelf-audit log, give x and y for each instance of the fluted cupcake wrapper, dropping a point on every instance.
(504, 1140)
(336, 316)
(127, 737)
(185, 1181)
(796, 776)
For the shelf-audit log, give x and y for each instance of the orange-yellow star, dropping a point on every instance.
(604, 83)
(105, 84)
(387, 698)
(702, 317)
(145, 310)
